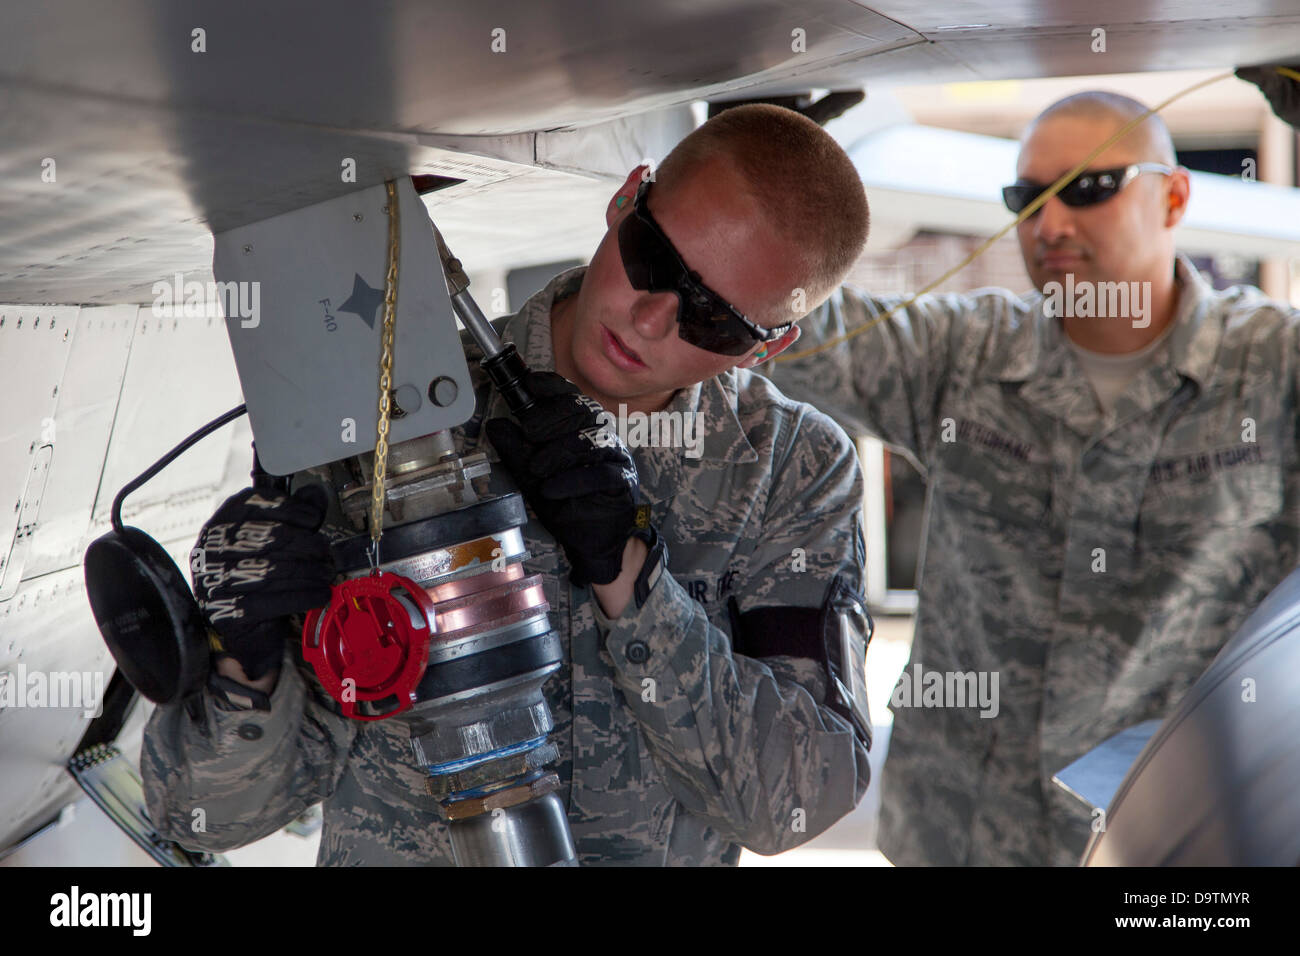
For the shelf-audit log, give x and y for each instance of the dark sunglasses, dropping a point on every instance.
(1086, 189)
(704, 318)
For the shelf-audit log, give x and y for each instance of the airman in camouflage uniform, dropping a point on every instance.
(1095, 560)
(729, 750)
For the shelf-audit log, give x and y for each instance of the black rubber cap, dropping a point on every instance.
(439, 531)
(147, 615)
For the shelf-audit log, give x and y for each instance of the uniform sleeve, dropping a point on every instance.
(886, 381)
(250, 774)
(751, 745)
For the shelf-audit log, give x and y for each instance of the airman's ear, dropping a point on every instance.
(1180, 189)
(621, 201)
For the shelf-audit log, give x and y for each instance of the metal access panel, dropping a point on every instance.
(86, 402)
(179, 375)
(54, 667)
(305, 318)
(35, 342)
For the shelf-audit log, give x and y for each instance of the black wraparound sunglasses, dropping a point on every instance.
(704, 318)
(1086, 189)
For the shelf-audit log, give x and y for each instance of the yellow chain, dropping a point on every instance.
(385, 375)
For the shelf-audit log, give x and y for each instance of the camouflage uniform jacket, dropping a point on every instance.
(1096, 563)
(732, 751)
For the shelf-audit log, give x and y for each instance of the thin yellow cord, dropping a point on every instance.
(1025, 213)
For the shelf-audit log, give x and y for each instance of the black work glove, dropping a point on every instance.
(576, 474)
(259, 559)
(1282, 92)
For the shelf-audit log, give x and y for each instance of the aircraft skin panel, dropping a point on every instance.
(1129, 47)
(152, 139)
(407, 65)
(1030, 52)
(180, 375)
(147, 380)
(35, 342)
(46, 629)
(100, 406)
(85, 405)
(104, 232)
(936, 17)
(154, 144)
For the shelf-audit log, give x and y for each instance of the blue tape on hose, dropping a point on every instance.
(455, 766)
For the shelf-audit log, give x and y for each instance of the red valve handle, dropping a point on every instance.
(375, 634)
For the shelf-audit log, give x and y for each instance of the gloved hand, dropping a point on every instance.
(259, 559)
(1282, 92)
(575, 473)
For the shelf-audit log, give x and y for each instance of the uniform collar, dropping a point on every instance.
(662, 470)
(1191, 348)
(1194, 342)
(1040, 356)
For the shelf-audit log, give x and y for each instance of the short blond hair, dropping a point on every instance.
(805, 182)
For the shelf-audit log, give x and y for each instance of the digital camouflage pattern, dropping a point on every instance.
(681, 759)
(1187, 495)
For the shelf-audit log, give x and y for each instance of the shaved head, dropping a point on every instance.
(1149, 139)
